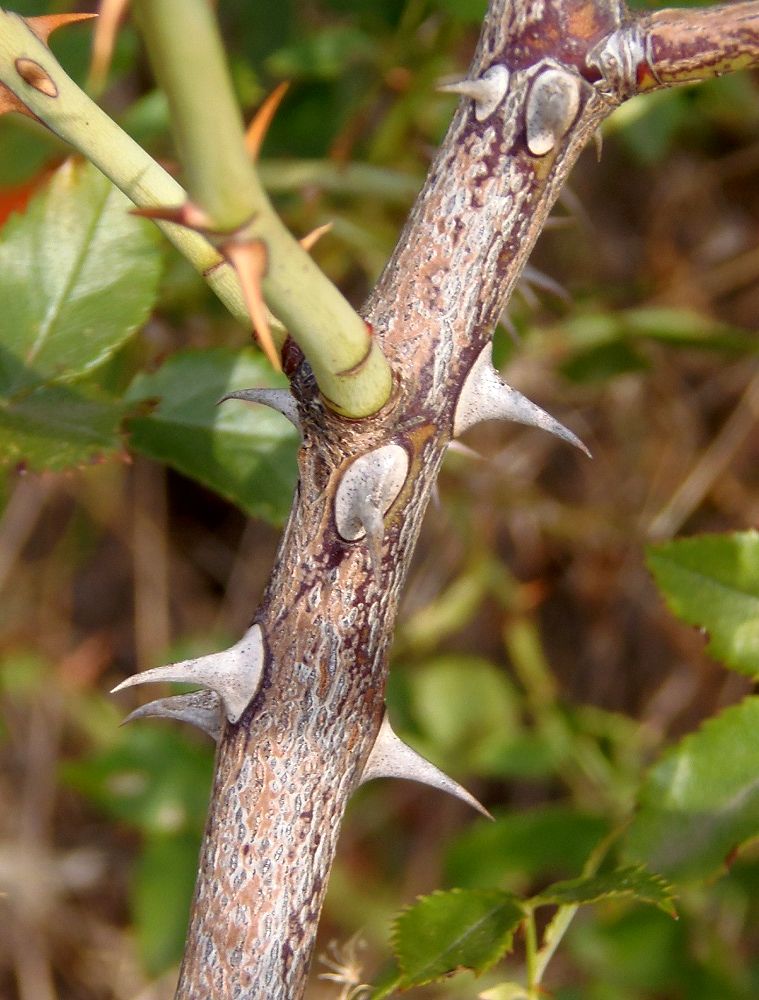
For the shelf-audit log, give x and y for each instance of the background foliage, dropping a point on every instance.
(535, 660)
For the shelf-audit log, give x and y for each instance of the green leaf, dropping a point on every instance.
(713, 581)
(161, 896)
(458, 929)
(700, 803)
(78, 276)
(57, 426)
(246, 453)
(633, 881)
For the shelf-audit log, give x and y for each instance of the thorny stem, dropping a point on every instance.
(285, 772)
(188, 58)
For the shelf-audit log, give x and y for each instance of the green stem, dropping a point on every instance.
(531, 953)
(348, 365)
(564, 916)
(188, 58)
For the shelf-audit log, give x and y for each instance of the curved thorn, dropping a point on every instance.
(390, 757)
(45, 24)
(309, 241)
(234, 674)
(485, 396)
(259, 125)
(457, 448)
(545, 283)
(250, 260)
(281, 400)
(487, 91)
(199, 708)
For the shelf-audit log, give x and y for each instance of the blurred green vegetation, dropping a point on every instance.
(535, 660)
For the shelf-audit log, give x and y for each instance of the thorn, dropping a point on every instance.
(390, 757)
(508, 324)
(485, 396)
(598, 140)
(281, 400)
(487, 91)
(199, 708)
(552, 105)
(457, 448)
(186, 214)
(309, 241)
(104, 40)
(46, 24)
(547, 284)
(373, 524)
(259, 126)
(250, 261)
(234, 673)
(367, 490)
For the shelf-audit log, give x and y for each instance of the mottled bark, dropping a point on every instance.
(285, 772)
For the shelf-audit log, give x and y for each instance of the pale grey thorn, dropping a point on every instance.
(390, 757)
(200, 708)
(485, 396)
(487, 91)
(234, 674)
(367, 490)
(545, 283)
(552, 106)
(281, 400)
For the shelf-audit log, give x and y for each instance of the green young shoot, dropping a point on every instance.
(188, 57)
(349, 367)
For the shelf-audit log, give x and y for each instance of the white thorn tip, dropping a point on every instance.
(485, 396)
(234, 674)
(487, 91)
(281, 400)
(390, 757)
(200, 708)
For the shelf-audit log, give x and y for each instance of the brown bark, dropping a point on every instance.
(285, 772)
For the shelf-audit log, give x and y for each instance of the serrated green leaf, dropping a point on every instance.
(634, 881)
(713, 581)
(700, 803)
(78, 276)
(58, 426)
(457, 929)
(246, 453)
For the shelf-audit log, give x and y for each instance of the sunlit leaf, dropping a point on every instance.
(78, 276)
(633, 882)
(700, 803)
(246, 453)
(458, 929)
(713, 581)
